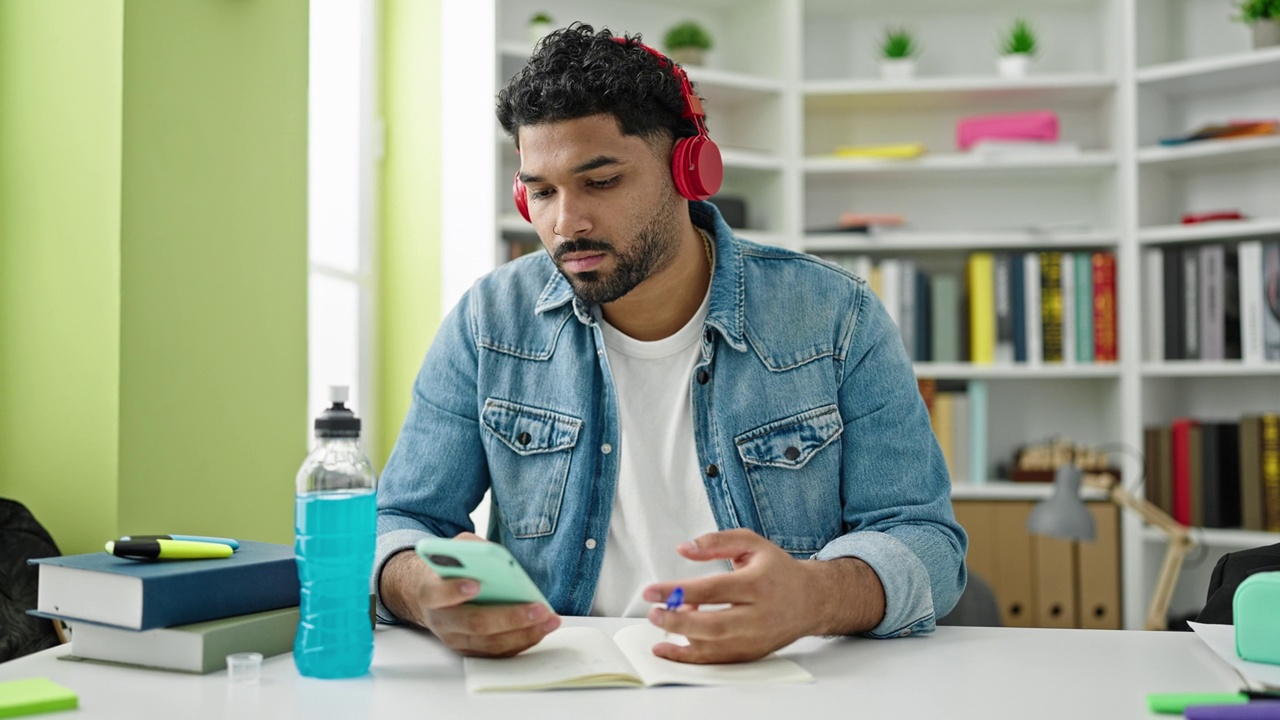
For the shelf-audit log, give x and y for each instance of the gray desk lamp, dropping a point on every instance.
(1065, 516)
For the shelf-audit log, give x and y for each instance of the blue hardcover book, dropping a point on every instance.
(140, 595)
(1018, 293)
(978, 470)
(1084, 306)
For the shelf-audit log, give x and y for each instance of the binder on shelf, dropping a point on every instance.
(1153, 304)
(1013, 582)
(1182, 469)
(1055, 591)
(1173, 305)
(1098, 576)
(1252, 303)
(1067, 278)
(1270, 456)
(945, 321)
(1018, 299)
(1195, 475)
(1252, 516)
(1212, 301)
(1003, 301)
(1220, 451)
(1033, 316)
(1190, 303)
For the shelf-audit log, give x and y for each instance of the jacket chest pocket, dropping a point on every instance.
(793, 468)
(529, 450)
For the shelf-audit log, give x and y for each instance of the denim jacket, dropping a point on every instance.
(807, 420)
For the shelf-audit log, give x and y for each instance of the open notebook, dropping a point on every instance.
(579, 657)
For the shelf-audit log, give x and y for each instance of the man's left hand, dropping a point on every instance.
(773, 600)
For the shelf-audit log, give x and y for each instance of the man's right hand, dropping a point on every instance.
(415, 593)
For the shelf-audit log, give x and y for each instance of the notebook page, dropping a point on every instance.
(568, 657)
(637, 641)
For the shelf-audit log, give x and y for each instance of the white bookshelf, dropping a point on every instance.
(790, 80)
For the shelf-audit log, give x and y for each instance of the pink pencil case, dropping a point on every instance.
(1039, 125)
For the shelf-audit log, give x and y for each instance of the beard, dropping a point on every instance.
(653, 250)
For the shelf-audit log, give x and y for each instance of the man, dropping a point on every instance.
(655, 403)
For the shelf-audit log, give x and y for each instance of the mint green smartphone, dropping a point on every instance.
(502, 580)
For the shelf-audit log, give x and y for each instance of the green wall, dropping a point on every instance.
(409, 268)
(153, 225)
(60, 96)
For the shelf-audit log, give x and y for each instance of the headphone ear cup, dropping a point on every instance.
(521, 196)
(697, 168)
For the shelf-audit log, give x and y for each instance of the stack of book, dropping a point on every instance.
(1217, 302)
(184, 615)
(1007, 307)
(958, 414)
(1216, 474)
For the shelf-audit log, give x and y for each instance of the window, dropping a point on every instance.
(344, 147)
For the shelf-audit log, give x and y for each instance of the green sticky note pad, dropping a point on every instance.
(35, 695)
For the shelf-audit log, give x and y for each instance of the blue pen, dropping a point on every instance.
(675, 599)
(189, 538)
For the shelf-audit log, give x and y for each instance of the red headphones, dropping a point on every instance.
(696, 166)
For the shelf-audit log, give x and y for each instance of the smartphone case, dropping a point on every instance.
(1256, 607)
(502, 580)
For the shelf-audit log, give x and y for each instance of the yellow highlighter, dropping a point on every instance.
(168, 549)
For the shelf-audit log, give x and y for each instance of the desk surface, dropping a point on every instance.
(952, 673)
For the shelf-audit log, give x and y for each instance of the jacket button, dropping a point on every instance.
(606, 448)
(703, 377)
(591, 543)
(712, 470)
(791, 453)
(524, 438)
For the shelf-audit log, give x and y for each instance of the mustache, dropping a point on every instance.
(581, 245)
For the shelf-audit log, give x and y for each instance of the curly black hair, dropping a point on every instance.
(577, 72)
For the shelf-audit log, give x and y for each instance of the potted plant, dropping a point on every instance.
(687, 42)
(898, 51)
(539, 25)
(1017, 47)
(1263, 16)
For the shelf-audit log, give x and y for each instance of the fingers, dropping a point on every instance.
(469, 536)
(713, 589)
(716, 625)
(492, 630)
(724, 545)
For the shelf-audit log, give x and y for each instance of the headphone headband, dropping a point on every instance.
(696, 166)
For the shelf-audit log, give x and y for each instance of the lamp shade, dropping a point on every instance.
(1064, 514)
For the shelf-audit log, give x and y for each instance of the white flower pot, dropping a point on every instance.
(537, 31)
(1266, 33)
(897, 69)
(687, 56)
(1013, 66)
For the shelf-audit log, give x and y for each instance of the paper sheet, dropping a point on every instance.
(1222, 640)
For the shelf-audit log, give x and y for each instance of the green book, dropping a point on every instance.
(35, 695)
(196, 648)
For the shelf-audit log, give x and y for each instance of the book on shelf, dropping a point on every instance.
(1171, 263)
(1271, 300)
(195, 648)
(1213, 473)
(1002, 280)
(137, 595)
(982, 312)
(1104, 307)
(1018, 303)
(944, 302)
(1190, 284)
(1084, 306)
(1251, 303)
(1211, 302)
(1031, 313)
(891, 151)
(1153, 347)
(583, 657)
(1067, 278)
(1270, 461)
(1051, 304)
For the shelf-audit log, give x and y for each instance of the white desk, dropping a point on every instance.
(953, 673)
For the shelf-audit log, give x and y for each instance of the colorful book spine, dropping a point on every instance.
(1105, 338)
(1033, 314)
(982, 311)
(1067, 277)
(978, 472)
(945, 323)
(1051, 305)
(1084, 307)
(1252, 304)
(1182, 470)
(1271, 471)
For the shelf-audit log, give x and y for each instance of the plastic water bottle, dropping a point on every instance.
(335, 528)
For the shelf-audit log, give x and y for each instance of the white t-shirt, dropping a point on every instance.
(660, 500)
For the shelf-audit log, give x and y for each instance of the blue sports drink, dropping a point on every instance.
(335, 528)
